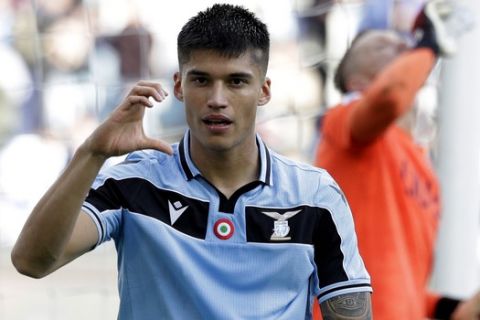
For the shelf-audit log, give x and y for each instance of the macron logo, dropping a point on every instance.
(175, 210)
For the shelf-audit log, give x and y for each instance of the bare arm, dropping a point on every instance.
(41, 246)
(351, 306)
(56, 232)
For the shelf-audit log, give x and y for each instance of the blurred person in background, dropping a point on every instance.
(312, 23)
(217, 226)
(368, 147)
(21, 134)
(134, 46)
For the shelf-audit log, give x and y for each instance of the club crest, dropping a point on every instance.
(281, 229)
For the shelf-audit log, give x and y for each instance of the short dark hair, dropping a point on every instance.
(227, 29)
(343, 68)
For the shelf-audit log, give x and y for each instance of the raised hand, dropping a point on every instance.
(122, 132)
(430, 28)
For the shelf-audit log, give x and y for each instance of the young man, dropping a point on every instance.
(217, 222)
(393, 191)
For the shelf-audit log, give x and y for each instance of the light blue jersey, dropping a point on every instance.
(185, 251)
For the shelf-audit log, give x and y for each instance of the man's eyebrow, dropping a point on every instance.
(196, 73)
(240, 75)
(244, 75)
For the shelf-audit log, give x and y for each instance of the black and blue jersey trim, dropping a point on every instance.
(363, 286)
(92, 212)
(183, 160)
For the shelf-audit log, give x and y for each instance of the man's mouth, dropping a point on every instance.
(216, 120)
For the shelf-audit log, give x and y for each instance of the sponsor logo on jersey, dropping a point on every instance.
(281, 228)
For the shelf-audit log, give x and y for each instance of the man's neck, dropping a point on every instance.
(228, 170)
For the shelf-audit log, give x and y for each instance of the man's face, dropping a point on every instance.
(221, 96)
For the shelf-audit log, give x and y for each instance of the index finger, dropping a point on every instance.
(156, 86)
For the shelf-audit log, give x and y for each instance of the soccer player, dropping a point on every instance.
(218, 222)
(367, 146)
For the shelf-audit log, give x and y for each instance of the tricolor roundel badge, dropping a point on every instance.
(223, 229)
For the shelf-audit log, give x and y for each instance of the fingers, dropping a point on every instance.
(143, 91)
(159, 145)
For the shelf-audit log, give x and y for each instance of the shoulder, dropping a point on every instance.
(345, 104)
(150, 155)
(139, 163)
(303, 184)
(146, 156)
(283, 166)
(284, 163)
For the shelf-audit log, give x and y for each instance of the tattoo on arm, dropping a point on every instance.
(351, 306)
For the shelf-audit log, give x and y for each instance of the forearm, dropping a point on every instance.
(398, 85)
(352, 306)
(55, 233)
(50, 225)
(392, 93)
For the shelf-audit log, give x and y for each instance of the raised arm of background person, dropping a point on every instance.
(352, 306)
(391, 94)
(56, 232)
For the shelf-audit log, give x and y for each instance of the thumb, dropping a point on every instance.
(158, 145)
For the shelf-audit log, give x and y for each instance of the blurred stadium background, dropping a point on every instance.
(65, 64)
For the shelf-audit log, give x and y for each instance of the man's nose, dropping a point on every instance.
(217, 96)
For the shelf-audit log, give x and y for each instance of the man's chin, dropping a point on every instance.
(218, 146)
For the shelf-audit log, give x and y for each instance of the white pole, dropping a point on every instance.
(457, 262)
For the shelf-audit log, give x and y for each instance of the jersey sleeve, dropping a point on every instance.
(340, 268)
(391, 94)
(103, 205)
(108, 197)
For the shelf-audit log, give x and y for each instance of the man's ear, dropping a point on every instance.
(177, 86)
(266, 93)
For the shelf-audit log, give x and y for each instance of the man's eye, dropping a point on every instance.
(238, 81)
(199, 80)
